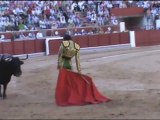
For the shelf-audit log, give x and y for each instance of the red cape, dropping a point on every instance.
(76, 89)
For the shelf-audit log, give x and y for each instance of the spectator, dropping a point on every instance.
(39, 35)
(83, 32)
(16, 35)
(114, 20)
(22, 26)
(63, 12)
(63, 21)
(109, 30)
(21, 35)
(2, 37)
(56, 33)
(101, 31)
(100, 20)
(31, 35)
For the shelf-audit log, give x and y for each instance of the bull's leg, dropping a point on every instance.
(0, 91)
(4, 91)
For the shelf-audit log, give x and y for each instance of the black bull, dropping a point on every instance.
(9, 66)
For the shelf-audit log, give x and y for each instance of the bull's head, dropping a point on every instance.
(12, 64)
(16, 66)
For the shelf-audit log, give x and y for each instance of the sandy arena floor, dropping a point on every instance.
(131, 77)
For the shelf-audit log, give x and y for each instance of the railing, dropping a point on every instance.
(51, 32)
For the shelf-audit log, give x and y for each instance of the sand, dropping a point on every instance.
(129, 76)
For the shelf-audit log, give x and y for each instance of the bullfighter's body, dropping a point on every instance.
(68, 50)
(74, 88)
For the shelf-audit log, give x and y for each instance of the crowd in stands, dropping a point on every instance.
(33, 15)
(152, 13)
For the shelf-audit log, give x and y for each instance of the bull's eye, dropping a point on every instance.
(21, 62)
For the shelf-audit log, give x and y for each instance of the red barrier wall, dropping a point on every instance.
(1, 48)
(124, 38)
(18, 47)
(154, 37)
(39, 45)
(143, 38)
(29, 46)
(54, 46)
(103, 39)
(7, 47)
(147, 37)
(82, 40)
(114, 39)
(93, 40)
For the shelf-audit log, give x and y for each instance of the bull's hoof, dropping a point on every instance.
(4, 97)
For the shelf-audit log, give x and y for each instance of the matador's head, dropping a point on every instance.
(67, 37)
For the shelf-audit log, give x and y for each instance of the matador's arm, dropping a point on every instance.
(60, 54)
(78, 62)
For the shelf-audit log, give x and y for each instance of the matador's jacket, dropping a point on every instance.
(68, 49)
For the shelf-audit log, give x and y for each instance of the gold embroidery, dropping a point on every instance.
(77, 46)
(65, 43)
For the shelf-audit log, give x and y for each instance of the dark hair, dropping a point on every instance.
(67, 37)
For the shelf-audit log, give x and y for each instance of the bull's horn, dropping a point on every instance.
(27, 56)
(8, 59)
